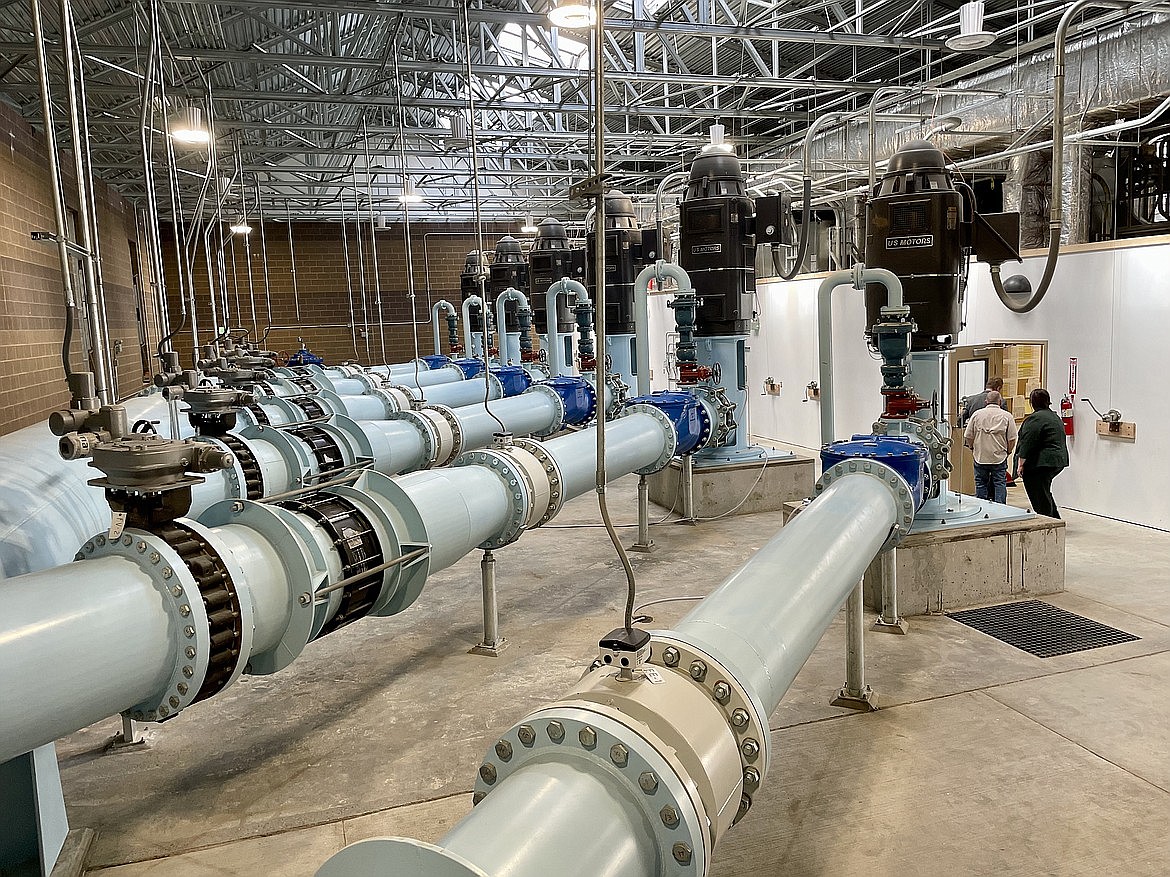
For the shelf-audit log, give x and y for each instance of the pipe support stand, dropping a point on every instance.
(668, 447)
(602, 740)
(891, 480)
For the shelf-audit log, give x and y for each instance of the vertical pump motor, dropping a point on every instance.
(623, 261)
(918, 227)
(550, 260)
(717, 242)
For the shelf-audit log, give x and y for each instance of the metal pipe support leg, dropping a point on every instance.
(644, 544)
(688, 490)
(855, 695)
(889, 621)
(492, 643)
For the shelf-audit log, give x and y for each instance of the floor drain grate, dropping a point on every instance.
(1041, 629)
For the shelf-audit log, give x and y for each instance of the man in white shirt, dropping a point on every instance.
(991, 435)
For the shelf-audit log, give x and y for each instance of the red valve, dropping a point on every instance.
(692, 373)
(902, 403)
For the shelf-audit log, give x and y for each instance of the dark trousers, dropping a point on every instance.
(991, 482)
(1038, 483)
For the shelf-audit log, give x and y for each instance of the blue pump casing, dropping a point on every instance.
(513, 378)
(906, 457)
(692, 424)
(436, 360)
(578, 397)
(470, 367)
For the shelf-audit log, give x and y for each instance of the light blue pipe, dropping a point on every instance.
(564, 285)
(658, 271)
(71, 656)
(472, 342)
(441, 304)
(857, 277)
(509, 341)
(581, 807)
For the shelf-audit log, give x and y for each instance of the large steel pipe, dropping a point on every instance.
(638, 772)
(75, 648)
(166, 618)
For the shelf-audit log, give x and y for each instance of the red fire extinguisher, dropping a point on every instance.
(1066, 414)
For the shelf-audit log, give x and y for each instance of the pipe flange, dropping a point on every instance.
(296, 457)
(454, 447)
(742, 710)
(495, 385)
(304, 564)
(893, 482)
(407, 394)
(516, 481)
(927, 434)
(191, 649)
(559, 421)
(600, 742)
(556, 497)
(370, 382)
(619, 392)
(425, 428)
(670, 446)
(389, 401)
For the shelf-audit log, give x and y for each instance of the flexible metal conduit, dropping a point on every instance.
(125, 636)
(589, 805)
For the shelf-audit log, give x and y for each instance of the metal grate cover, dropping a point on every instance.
(1041, 629)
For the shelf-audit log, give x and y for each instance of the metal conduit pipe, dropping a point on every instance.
(142, 591)
(856, 277)
(657, 272)
(565, 285)
(1056, 212)
(806, 220)
(441, 305)
(639, 774)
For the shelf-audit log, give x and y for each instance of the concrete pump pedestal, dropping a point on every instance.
(961, 562)
(718, 489)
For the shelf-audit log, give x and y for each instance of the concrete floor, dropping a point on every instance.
(984, 760)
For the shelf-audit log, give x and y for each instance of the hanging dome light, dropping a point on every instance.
(971, 35)
(186, 126)
(572, 14)
(528, 227)
(240, 226)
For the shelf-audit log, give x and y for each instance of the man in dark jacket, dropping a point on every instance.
(973, 403)
(1041, 453)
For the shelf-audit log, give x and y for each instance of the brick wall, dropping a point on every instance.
(324, 320)
(32, 309)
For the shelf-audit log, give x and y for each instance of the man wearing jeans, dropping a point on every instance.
(991, 435)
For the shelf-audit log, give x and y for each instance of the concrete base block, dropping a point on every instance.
(719, 489)
(71, 861)
(969, 566)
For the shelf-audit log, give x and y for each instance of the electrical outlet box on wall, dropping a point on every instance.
(1126, 432)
